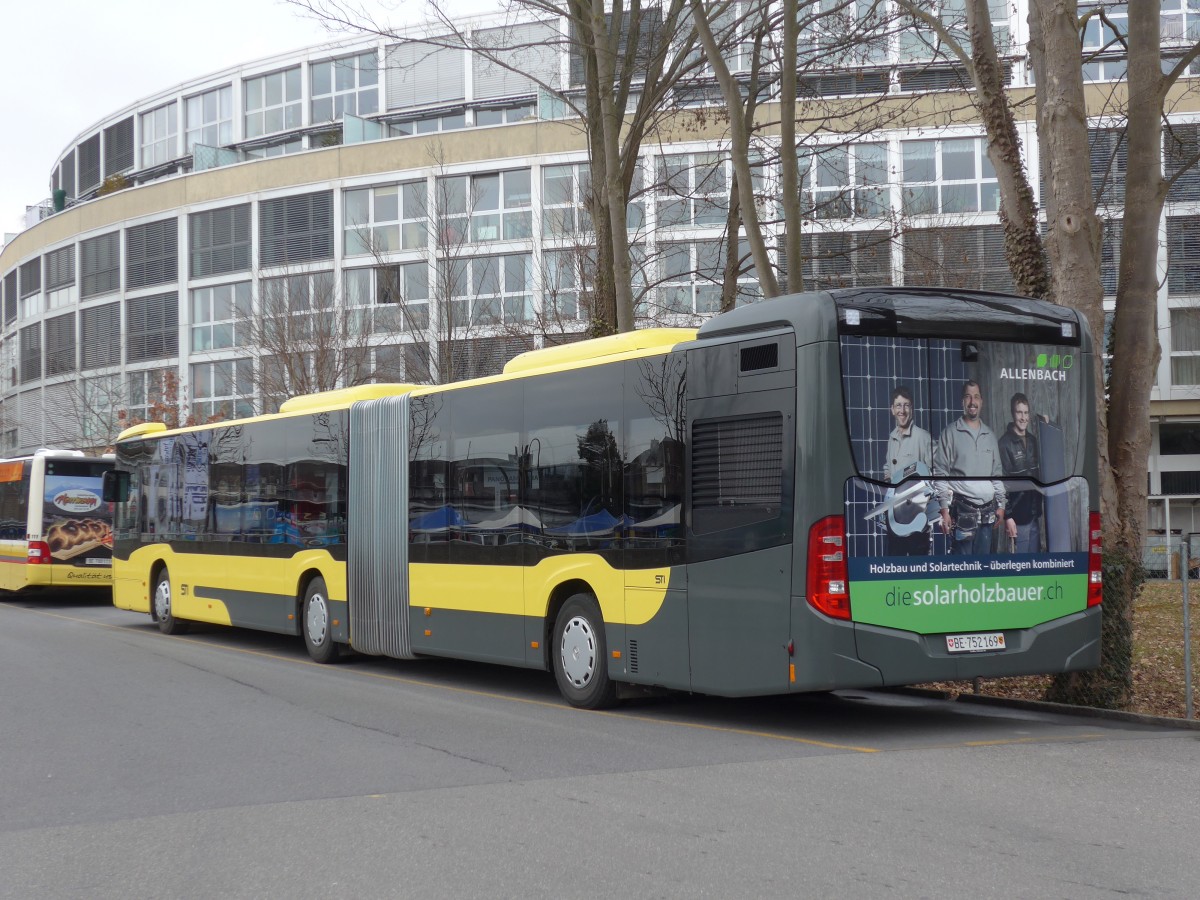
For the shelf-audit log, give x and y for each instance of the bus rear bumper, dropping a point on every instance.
(1067, 644)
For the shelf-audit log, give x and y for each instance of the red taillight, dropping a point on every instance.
(38, 553)
(1095, 578)
(828, 588)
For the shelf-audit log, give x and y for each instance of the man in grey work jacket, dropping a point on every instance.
(967, 449)
(908, 444)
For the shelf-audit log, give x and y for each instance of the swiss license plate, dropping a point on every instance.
(975, 643)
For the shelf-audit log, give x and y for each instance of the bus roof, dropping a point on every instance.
(632, 345)
(304, 403)
(566, 355)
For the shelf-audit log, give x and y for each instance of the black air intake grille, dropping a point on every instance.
(763, 356)
(738, 463)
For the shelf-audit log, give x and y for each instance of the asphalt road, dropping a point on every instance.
(225, 764)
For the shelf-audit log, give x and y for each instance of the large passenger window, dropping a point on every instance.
(483, 477)
(575, 460)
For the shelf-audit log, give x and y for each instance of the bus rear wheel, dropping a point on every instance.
(315, 623)
(580, 655)
(161, 609)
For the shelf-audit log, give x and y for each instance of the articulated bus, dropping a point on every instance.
(856, 488)
(55, 528)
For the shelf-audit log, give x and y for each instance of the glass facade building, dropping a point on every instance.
(425, 206)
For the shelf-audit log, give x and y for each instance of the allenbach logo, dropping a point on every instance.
(1048, 367)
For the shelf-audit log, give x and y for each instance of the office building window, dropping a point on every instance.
(160, 131)
(152, 327)
(60, 344)
(220, 316)
(383, 219)
(31, 352)
(1185, 346)
(100, 336)
(223, 389)
(492, 290)
(151, 254)
(346, 85)
(209, 118)
(487, 207)
(219, 241)
(695, 190)
(565, 191)
(100, 265)
(948, 176)
(845, 181)
(295, 229)
(402, 298)
(273, 102)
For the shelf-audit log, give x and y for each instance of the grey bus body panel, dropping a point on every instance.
(251, 609)
(826, 654)
(739, 623)
(377, 530)
(739, 573)
(466, 634)
(656, 652)
(1062, 645)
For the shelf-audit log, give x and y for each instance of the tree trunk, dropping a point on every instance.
(603, 320)
(1135, 327)
(1073, 244)
(604, 42)
(1018, 212)
(739, 150)
(789, 172)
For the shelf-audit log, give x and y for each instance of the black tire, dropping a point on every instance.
(161, 608)
(580, 655)
(315, 623)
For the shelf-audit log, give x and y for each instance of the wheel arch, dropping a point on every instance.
(560, 594)
(310, 574)
(156, 568)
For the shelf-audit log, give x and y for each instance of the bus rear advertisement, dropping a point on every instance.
(857, 488)
(55, 528)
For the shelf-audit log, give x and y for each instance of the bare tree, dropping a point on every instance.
(304, 338)
(1073, 244)
(625, 62)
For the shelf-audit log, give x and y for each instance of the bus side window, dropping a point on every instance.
(116, 486)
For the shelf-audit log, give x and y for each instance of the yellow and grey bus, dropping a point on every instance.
(815, 492)
(55, 528)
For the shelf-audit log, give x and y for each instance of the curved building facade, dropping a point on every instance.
(415, 210)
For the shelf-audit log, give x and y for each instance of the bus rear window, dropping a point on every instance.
(904, 396)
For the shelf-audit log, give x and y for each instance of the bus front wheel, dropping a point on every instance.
(580, 655)
(167, 623)
(315, 623)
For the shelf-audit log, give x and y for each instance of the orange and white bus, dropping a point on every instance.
(55, 528)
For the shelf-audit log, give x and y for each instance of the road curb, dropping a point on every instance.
(1066, 709)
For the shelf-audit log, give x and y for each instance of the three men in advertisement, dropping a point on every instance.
(967, 464)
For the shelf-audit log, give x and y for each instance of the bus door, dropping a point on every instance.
(741, 459)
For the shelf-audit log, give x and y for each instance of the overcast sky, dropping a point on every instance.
(66, 64)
